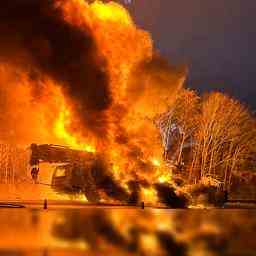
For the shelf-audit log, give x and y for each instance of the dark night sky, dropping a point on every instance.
(217, 40)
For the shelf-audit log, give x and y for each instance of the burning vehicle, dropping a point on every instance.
(90, 174)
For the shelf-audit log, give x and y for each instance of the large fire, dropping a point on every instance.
(92, 82)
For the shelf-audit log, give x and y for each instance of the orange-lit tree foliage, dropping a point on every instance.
(225, 139)
(185, 114)
(222, 134)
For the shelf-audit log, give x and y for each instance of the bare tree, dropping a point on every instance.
(225, 138)
(185, 114)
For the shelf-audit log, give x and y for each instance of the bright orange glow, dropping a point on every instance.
(149, 195)
(61, 132)
(112, 12)
(156, 162)
(164, 178)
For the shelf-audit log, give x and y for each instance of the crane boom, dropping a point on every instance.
(56, 154)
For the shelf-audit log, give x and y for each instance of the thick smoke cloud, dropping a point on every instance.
(61, 50)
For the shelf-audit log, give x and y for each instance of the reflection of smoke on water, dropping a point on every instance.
(138, 232)
(100, 229)
(121, 231)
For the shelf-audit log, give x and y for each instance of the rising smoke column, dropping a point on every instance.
(57, 48)
(91, 52)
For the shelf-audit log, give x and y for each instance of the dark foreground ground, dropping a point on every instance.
(80, 230)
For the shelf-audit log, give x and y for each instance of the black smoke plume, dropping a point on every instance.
(169, 197)
(105, 181)
(63, 51)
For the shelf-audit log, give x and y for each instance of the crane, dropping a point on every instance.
(73, 172)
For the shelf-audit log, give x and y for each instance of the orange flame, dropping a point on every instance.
(111, 12)
(62, 133)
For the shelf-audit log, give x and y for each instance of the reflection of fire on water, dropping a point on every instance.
(127, 232)
(180, 232)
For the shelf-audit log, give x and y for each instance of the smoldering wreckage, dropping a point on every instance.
(83, 75)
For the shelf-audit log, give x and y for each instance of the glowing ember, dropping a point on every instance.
(149, 195)
(112, 12)
(156, 162)
(164, 178)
